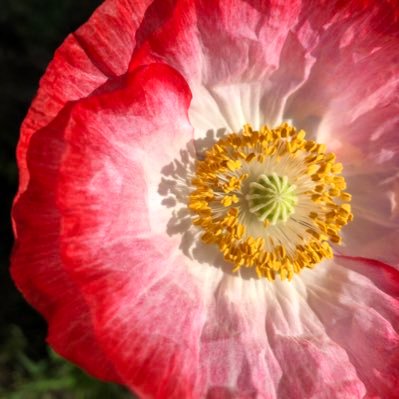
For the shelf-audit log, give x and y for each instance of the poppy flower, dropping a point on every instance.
(208, 200)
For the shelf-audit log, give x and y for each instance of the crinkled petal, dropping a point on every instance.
(331, 69)
(109, 177)
(148, 313)
(239, 57)
(350, 102)
(36, 265)
(174, 331)
(358, 304)
(118, 143)
(97, 51)
(374, 233)
(262, 340)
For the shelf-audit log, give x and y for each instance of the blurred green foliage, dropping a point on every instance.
(50, 377)
(30, 32)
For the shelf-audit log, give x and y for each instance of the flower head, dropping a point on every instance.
(181, 232)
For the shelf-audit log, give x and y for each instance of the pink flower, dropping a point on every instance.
(120, 179)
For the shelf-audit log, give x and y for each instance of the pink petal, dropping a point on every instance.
(36, 266)
(240, 58)
(146, 314)
(97, 51)
(100, 163)
(263, 339)
(350, 102)
(360, 312)
(332, 332)
(374, 233)
(118, 144)
(354, 46)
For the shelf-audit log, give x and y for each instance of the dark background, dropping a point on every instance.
(30, 32)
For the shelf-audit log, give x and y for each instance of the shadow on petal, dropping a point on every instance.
(175, 187)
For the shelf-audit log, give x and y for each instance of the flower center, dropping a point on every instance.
(270, 200)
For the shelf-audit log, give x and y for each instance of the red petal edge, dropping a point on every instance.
(37, 267)
(99, 50)
(153, 103)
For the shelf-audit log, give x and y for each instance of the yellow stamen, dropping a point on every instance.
(276, 223)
